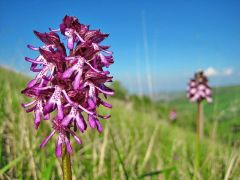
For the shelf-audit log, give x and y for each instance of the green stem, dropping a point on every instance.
(66, 164)
(199, 120)
(198, 136)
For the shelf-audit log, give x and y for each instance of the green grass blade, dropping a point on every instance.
(46, 172)
(155, 173)
(119, 156)
(11, 164)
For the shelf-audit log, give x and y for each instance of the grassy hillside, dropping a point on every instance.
(135, 143)
(222, 117)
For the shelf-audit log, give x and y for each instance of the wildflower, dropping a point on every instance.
(69, 82)
(62, 137)
(198, 88)
(173, 115)
(51, 40)
(73, 30)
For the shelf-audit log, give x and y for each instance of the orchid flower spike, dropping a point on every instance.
(198, 88)
(69, 81)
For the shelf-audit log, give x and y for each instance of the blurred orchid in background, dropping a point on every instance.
(172, 115)
(197, 91)
(198, 88)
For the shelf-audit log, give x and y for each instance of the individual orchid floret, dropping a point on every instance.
(48, 61)
(198, 88)
(73, 30)
(62, 137)
(47, 70)
(37, 107)
(94, 123)
(51, 41)
(95, 36)
(92, 96)
(69, 81)
(78, 68)
(75, 117)
(56, 101)
(107, 58)
(172, 115)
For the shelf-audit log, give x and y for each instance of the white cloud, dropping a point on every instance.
(211, 72)
(228, 72)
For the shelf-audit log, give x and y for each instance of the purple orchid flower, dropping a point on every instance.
(71, 28)
(78, 67)
(48, 69)
(62, 138)
(198, 88)
(94, 123)
(37, 107)
(93, 91)
(69, 83)
(95, 36)
(105, 59)
(51, 40)
(75, 115)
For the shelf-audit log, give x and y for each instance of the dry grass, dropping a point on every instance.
(141, 145)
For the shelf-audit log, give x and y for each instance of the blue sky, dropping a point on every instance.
(157, 44)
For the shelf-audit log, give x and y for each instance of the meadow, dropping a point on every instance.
(138, 142)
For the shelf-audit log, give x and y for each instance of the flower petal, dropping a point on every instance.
(105, 92)
(70, 43)
(91, 121)
(60, 111)
(80, 122)
(31, 83)
(76, 82)
(28, 104)
(75, 137)
(104, 60)
(49, 107)
(99, 126)
(104, 117)
(31, 109)
(32, 47)
(68, 145)
(33, 61)
(91, 103)
(46, 116)
(37, 119)
(66, 120)
(68, 72)
(45, 141)
(58, 150)
(106, 104)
